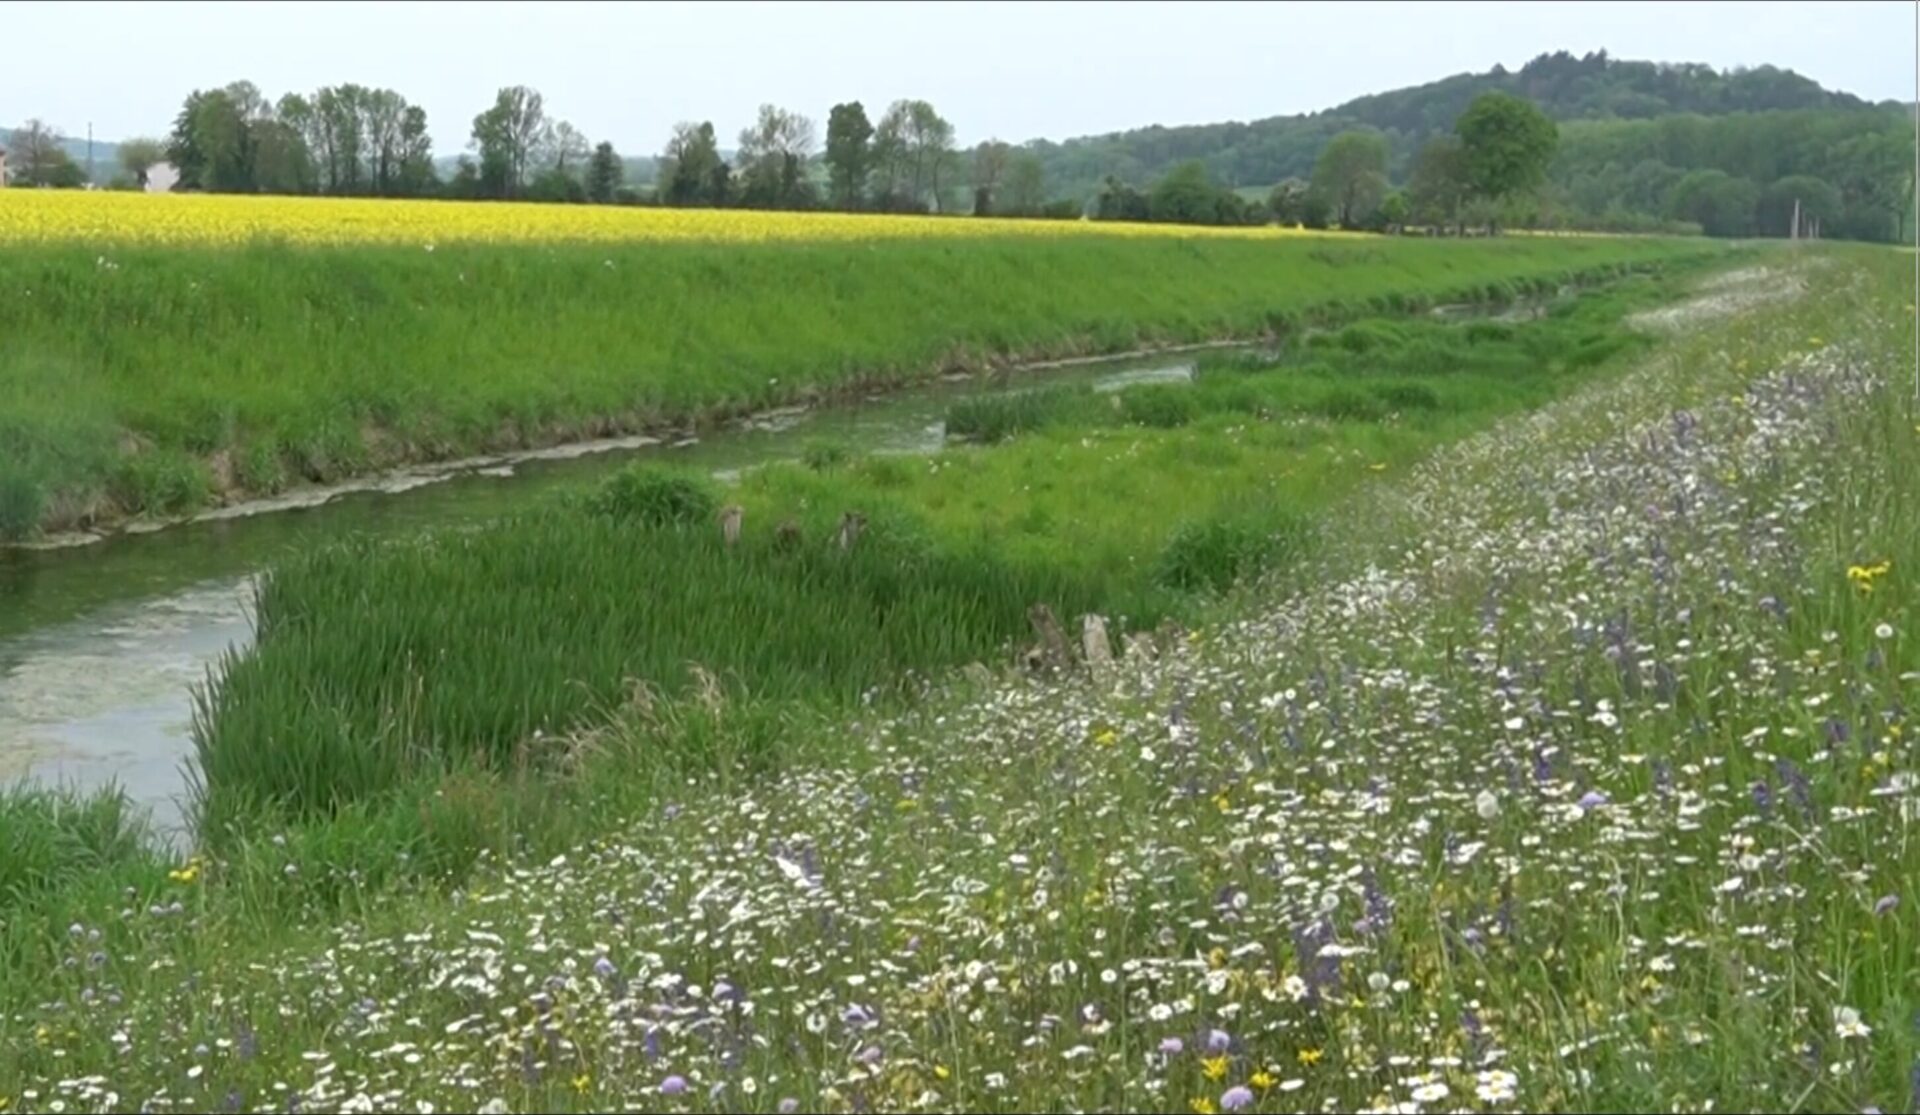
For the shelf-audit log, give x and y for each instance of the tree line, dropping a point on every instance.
(353, 140)
(1565, 87)
(1493, 161)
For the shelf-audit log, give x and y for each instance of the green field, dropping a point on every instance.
(386, 670)
(1539, 738)
(166, 378)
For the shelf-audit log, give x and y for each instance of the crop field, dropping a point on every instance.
(1539, 737)
(165, 354)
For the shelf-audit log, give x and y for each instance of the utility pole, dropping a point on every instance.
(1794, 232)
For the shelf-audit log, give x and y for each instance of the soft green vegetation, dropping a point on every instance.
(150, 380)
(1574, 770)
(383, 669)
(1630, 131)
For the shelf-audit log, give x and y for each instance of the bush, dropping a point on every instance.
(1408, 396)
(1160, 405)
(1346, 404)
(823, 455)
(1213, 554)
(161, 482)
(654, 496)
(21, 501)
(991, 418)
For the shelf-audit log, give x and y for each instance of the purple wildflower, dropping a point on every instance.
(604, 968)
(1172, 1047)
(1236, 1097)
(789, 1105)
(1218, 1041)
(869, 1056)
(673, 1085)
(1885, 905)
(1592, 799)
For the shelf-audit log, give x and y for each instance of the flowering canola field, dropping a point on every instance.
(56, 216)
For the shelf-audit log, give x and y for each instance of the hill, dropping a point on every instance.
(1593, 87)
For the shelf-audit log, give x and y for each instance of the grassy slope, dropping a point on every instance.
(383, 669)
(163, 378)
(970, 876)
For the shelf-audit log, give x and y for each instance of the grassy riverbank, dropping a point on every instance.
(1574, 771)
(428, 692)
(152, 379)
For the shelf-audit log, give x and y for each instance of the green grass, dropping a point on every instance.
(273, 364)
(1639, 592)
(384, 668)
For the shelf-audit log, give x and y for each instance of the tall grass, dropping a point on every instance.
(1580, 776)
(387, 665)
(242, 369)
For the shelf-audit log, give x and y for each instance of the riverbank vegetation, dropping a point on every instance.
(162, 354)
(382, 670)
(1567, 767)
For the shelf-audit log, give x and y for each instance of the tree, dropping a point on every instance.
(1719, 203)
(913, 146)
(691, 168)
(1507, 144)
(849, 154)
(138, 156)
(1026, 191)
(1316, 211)
(1351, 174)
(1813, 198)
(40, 159)
(1287, 202)
(567, 149)
(1437, 183)
(507, 137)
(416, 175)
(604, 174)
(990, 159)
(1187, 196)
(773, 156)
(1393, 210)
(1118, 201)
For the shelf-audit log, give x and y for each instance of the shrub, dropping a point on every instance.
(654, 496)
(1160, 405)
(1213, 554)
(991, 418)
(823, 455)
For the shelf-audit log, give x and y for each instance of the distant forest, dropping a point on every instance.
(1625, 146)
(1631, 133)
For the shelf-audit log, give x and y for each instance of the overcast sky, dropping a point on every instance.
(627, 72)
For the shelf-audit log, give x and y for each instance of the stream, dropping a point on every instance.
(103, 645)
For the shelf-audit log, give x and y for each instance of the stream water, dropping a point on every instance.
(102, 646)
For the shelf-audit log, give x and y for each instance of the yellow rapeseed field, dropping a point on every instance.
(113, 218)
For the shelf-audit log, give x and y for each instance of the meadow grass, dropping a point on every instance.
(153, 379)
(1575, 772)
(383, 669)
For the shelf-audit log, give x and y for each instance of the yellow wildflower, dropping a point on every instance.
(1201, 1105)
(583, 1082)
(1106, 737)
(1261, 1080)
(1213, 1068)
(1309, 1057)
(942, 1072)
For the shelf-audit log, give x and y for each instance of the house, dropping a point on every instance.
(161, 177)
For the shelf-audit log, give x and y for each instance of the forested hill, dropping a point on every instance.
(1564, 86)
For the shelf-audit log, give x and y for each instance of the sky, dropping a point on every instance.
(1014, 71)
